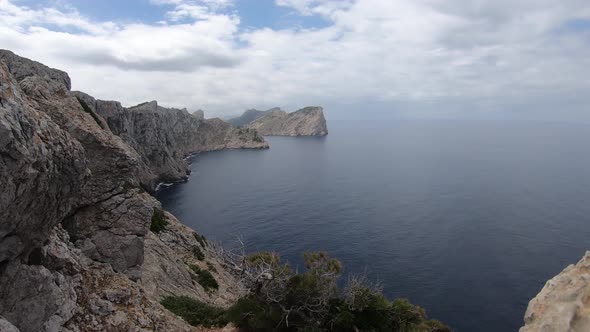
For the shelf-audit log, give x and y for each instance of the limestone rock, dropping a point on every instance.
(199, 115)
(248, 116)
(309, 121)
(166, 267)
(21, 68)
(6, 326)
(163, 137)
(73, 219)
(42, 171)
(564, 303)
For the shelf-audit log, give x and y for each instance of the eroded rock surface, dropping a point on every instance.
(564, 303)
(309, 121)
(73, 217)
(163, 137)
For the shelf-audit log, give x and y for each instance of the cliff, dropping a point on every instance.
(309, 121)
(564, 303)
(247, 117)
(76, 249)
(163, 137)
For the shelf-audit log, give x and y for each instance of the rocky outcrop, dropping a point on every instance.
(248, 116)
(163, 137)
(21, 68)
(74, 221)
(166, 271)
(309, 121)
(564, 303)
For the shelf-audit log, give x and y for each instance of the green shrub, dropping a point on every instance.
(195, 312)
(159, 221)
(201, 239)
(251, 314)
(204, 278)
(198, 253)
(309, 301)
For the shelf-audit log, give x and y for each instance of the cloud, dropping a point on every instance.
(485, 55)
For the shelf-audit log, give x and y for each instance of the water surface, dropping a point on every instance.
(468, 219)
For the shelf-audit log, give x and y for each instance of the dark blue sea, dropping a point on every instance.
(468, 219)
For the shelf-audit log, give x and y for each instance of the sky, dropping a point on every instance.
(525, 59)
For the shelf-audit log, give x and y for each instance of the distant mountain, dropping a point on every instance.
(248, 116)
(309, 121)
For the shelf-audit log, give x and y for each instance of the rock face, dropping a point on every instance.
(74, 220)
(309, 121)
(248, 116)
(564, 303)
(163, 137)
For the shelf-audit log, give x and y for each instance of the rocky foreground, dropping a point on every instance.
(309, 121)
(564, 303)
(76, 249)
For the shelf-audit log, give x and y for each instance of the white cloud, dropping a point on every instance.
(484, 54)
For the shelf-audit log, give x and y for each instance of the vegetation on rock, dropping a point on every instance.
(195, 312)
(280, 299)
(204, 278)
(159, 221)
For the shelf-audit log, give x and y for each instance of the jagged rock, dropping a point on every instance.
(248, 116)
(199, 115)
(67, 159)
(166, 271)
(309, 121)
(21, 68)
(42, 170)
(564, 303)
(113, 230)
(163, 137)
(6, 326)
(216, 134)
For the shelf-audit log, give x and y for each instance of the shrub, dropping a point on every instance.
(307, 301)
(198, 253)
(201, 239)
(159, 221)
(195, 312)
(204, 278)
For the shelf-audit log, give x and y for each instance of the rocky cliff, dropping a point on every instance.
(247, 117)
(309, 121)
(76, 250)
(564, 303)
(163, 137)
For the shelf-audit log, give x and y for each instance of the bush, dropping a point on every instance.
(195, 312)
(204, 278)
(201, 239)
(312, 301)
(159, 221)
(307, 301)
(198, 253)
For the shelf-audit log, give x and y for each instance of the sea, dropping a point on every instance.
(466, 218)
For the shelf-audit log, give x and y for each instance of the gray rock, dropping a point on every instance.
(309, 121)
(6, 326)
(166, 271)
(248, 116)
(163, 137)
(199, 115)
(69, 160)
(42, 171)
(564, 303)
(21, 68)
